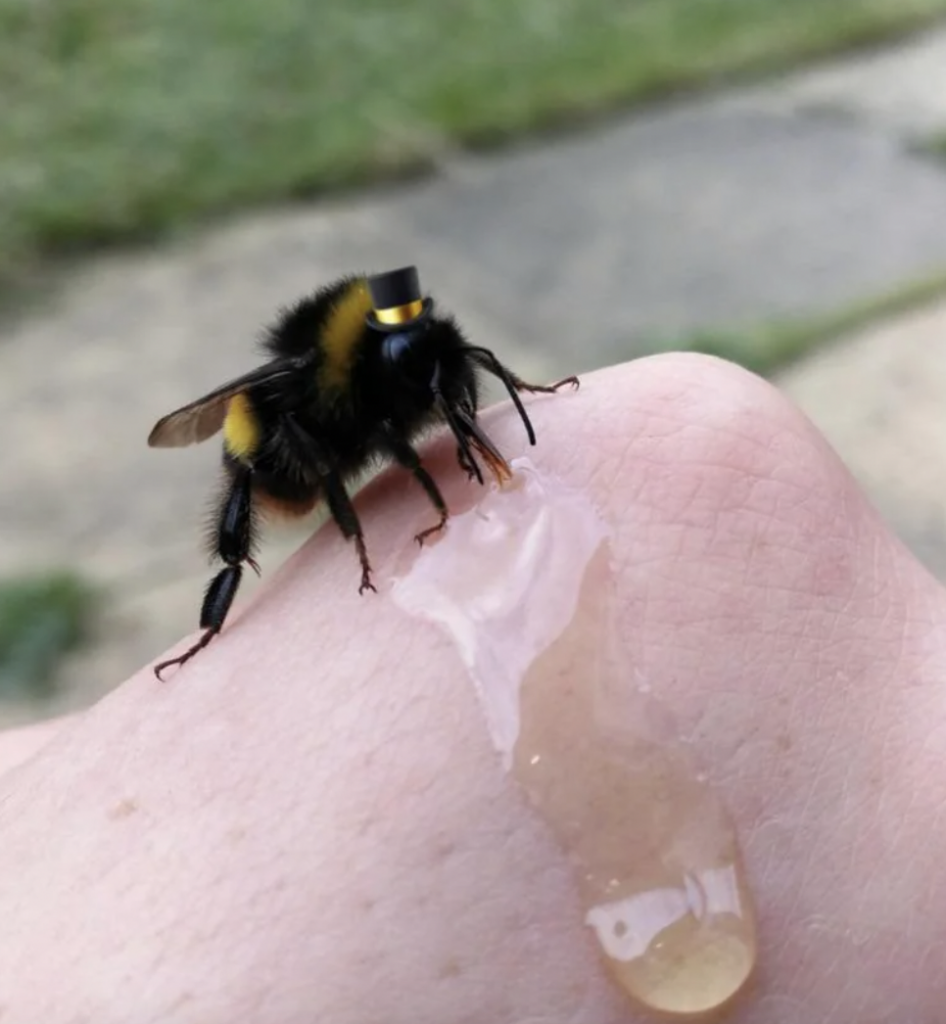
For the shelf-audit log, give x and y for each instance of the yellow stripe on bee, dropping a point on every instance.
(241, 432)
(344, 326)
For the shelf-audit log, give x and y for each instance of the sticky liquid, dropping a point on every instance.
(523, 584)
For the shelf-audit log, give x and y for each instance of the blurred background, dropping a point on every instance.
(581, 181)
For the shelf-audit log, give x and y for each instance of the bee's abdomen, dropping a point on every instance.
(283, 507)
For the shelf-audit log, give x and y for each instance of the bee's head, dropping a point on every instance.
(401, 313)
(407, 361)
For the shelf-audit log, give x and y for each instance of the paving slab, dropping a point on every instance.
(899, 88)
(703, 216)
(880, 398)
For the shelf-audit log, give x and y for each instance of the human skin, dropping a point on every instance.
(308, 821)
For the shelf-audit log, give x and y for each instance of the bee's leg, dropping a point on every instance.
(466, 463)
(461, 418)
(232, 542)
(344, 514)
(468, 467)
(515, 384)
(490, 454)
(450, 414)
(464, 450)
(217, 600)
(311, 452)
(405, 454)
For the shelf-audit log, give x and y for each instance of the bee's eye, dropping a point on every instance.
(395, 347)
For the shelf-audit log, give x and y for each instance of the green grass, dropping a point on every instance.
(934, 146)
(123, 118)
(42, 618)
(771, 347)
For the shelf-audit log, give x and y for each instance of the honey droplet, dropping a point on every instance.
(524, 585)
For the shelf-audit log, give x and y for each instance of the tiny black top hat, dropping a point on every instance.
(397, 300)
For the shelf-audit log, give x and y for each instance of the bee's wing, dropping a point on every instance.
(194, 423)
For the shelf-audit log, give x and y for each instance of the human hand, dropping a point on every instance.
(308, 822)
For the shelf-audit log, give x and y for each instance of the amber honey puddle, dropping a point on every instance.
(523, 584)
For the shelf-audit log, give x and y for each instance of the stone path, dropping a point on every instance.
(789, 199)
(880, 398)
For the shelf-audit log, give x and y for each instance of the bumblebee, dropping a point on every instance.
(358, 371)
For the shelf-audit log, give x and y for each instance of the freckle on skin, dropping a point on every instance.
(444, 851)
(365, 826)
(125, 808)
(182, 1000)
(451, 969)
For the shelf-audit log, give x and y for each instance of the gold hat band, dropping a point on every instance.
(400, 314)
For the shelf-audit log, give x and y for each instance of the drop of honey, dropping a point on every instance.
(523, 584)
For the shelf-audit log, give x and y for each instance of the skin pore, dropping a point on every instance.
(308, 822)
